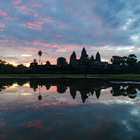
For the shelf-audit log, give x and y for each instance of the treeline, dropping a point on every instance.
(10, 68)
(125, 64)
(120, 64)
(129, 61)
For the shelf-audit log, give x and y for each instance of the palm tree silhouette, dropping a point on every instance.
(39, 97)
(39, 53)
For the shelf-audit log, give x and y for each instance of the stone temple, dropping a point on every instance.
(73, 57)
(62, 65)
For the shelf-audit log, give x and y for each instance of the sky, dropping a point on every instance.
(59, 27)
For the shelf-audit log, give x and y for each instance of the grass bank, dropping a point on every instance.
(100, 76)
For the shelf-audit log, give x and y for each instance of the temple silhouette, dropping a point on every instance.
(74, 66)
(86, 87)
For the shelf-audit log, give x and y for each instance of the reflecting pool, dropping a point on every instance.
(69, 109)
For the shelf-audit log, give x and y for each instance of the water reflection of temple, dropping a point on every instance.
(86, 87)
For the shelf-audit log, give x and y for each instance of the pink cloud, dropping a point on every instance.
(23, 24)
(117, 53)
(58, 113)
(48, 19)
(2, 13)
(2, 124)
(66, 8)
(79, 11)
(7, 40)
(3, 40)
(58, 35)
(47, 30)
(21, 7)
(26, 12)
(72, 10)
(70, 47)
(37, 25)
(63, 26)
(36, 14)
(37, 124)
(32, 5)
(95, 34)
(9, 18)
(93, 20)
(36, 42)
(16, 2)
(2, 25)
(32, 49)
(1, 30)
(3, 136)
(84, 17)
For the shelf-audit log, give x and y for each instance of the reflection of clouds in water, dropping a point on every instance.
(126, 124)
(16, 94)
(25, 94)
(86, 121)
(53, 96)
(60, 117)
(135, 111)
(15, 85)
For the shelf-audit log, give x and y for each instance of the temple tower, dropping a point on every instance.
(98, 58)
(83, 52)
(92, 58)
(72, 57)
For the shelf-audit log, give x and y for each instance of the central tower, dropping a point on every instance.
(83, 52)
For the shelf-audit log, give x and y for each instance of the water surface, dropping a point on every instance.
(65, 109)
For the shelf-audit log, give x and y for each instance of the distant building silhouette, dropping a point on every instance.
(74, 66)
(98, 58)
(72, 57)
(98, 92)
(61, 61)
(48, 63)
(92, 58)
(72, 92)
(83, 52)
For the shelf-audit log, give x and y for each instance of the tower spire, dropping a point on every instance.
(98, 58)
(83, 52)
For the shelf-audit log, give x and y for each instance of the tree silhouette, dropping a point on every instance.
(124, 59)
(116, 60)
(35, 61)
(39, 53)
(39, 97)
(131, 60)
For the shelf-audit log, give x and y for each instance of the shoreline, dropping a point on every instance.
(131, 77)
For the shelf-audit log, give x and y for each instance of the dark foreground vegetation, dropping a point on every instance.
(9, 68)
